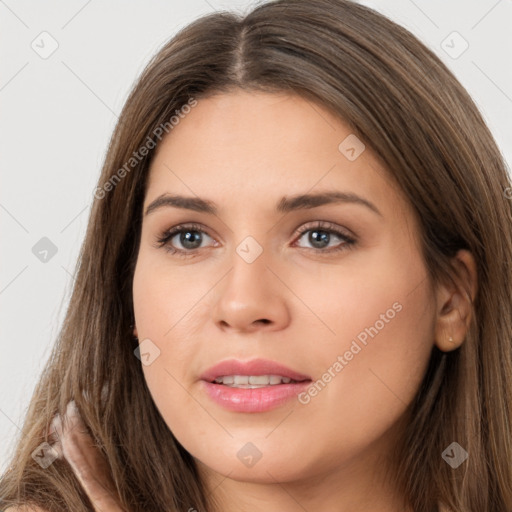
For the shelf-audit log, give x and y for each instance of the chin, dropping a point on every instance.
(276, 466)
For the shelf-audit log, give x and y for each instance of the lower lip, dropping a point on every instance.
(256, 399)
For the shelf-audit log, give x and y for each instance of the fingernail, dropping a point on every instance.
(55, 425)
(55, 433)
(72, 408)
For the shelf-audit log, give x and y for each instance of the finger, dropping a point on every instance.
(86, 460)
(55, 434)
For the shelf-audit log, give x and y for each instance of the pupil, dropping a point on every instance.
(323, 237)
(187, 238)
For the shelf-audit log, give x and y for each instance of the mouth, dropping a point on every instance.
(256, 372)
(255, 381)
(254, 386)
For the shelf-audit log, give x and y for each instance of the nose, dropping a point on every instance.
(251, 298)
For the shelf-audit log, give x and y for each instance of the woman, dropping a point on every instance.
(294, 290)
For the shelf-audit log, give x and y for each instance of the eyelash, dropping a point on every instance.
(166, 236)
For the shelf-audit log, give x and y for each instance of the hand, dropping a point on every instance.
(74, 444)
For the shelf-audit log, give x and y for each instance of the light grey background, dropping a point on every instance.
(57, 114)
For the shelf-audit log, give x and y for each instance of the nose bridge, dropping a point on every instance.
(250, 250)
(249, 294)
(249, 270)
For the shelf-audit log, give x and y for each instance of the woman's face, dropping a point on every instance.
(333, 289)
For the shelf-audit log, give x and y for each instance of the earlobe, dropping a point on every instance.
(455, 304)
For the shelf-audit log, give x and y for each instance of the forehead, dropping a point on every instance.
(248, 147)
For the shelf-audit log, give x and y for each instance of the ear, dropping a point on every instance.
(135, 333)
(455, 303)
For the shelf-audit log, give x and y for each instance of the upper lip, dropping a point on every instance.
(252, 367)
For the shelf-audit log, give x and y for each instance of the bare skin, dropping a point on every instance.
(244, 152)
(74, 444)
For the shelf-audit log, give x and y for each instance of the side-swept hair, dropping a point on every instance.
(404, 103)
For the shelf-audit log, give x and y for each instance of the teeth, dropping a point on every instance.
(252, 381)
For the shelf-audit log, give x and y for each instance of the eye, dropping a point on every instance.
(321, 235)
(190, 236)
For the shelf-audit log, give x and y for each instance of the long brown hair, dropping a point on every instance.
(403, 102)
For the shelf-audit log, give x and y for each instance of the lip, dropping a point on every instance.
(253, 400)
(253, 367)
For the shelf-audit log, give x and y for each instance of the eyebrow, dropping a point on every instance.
(285, 205)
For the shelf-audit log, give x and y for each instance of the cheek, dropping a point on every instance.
(166, 296)
(165, 305)
(372, 362)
